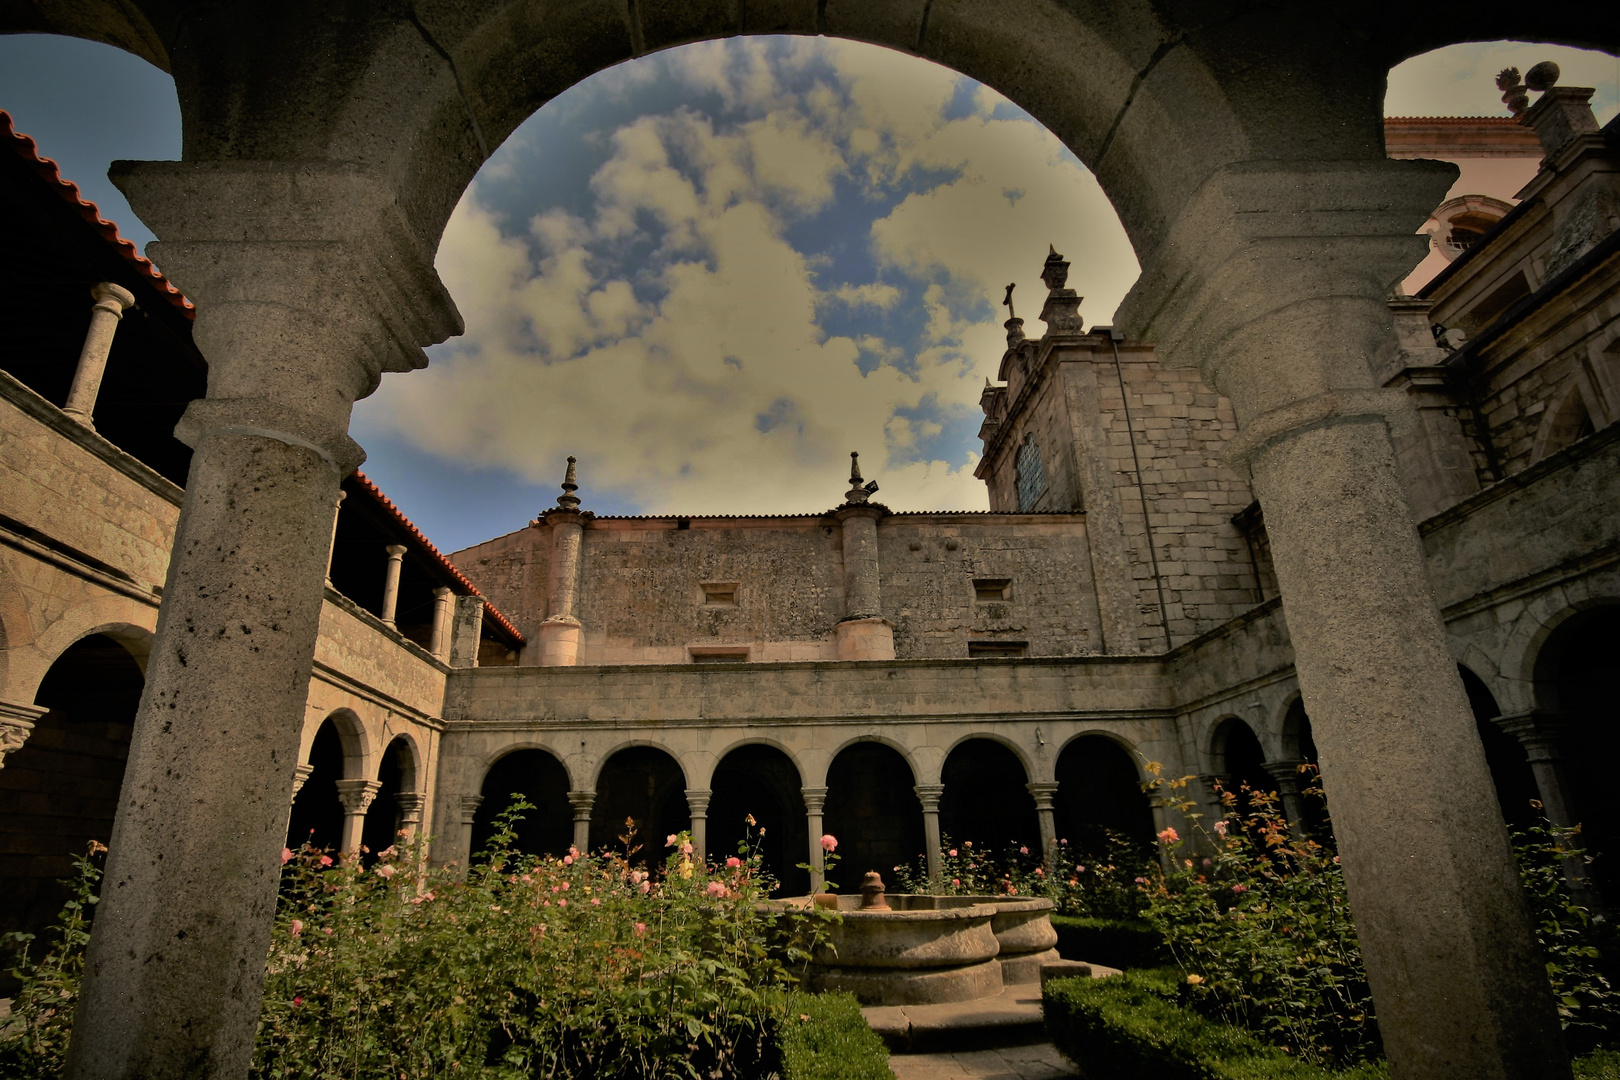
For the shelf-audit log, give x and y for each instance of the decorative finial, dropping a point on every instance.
(1513, 93)
(1056, 271)
(858, 493)
(568, 500)
(1542, 77)
(1007, 301)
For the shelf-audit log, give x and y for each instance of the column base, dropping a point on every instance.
(559, 641)
(870, 638)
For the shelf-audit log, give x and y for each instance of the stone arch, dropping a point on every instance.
(1572, 418)
(907, 753)
(706, 779)
(1525, 642)
(759, 778)
(504, 749)
(1237, 756)
(1019, 750)
(356, 742)
(654, 744)
(415, 777)
(60, 790)
(337, 750)
(396, 775)
(985, 798)
(644, 783)
(873, 810)
(1505, 756)
(541, 777)
(1099, 778)
(126, 620)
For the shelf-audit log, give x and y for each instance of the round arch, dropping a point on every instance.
(985, 798)
(1019, 751)
(354, 740)
(759, 779)
(873, 810)
(539, 777)
(794, 756)
(601, 762)
(1100, 797)
(639, 786)
(907, 754)
(127, 621)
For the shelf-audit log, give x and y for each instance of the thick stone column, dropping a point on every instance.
(815, 798)
(16, 724)
(697, 805)
(561, 632)
(863, 634)
(1045, 795)
(443, 602)
(1273, 280)
(469, 813)
(111, 303)
(1286, 776)
(929, 795)
(466, 631)
(356, 797)
(309, 284)
(390, 597)
(582, 802)
(331, 547)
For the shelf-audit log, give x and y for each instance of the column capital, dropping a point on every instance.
(411, 804)
(301, 777)
(16, 724)
(396, 551)
(356, 795)
(697, 801)
(469, 807)
(1044, 792)
(815, 799)
(1537, 730)
(929, 795)
(1285, 772)
(111, 298)
(582, 802)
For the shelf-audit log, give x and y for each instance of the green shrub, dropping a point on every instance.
(825, 1037)
(1129, 1026)
(1094, 877)
(1603, 1065)
(1120, 943)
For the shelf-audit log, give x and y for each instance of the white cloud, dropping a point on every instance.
(873, 295)
(1460, 80)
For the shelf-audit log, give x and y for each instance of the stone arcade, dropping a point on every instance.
(1416, 506)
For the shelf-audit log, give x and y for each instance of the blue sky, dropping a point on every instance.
(713, 272)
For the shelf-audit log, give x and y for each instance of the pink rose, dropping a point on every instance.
(733, 862)
(327, 930)
(286, 856)
(1240, 888)
(568, 860)
(565, 886)
(829, 842)
(1022, 850)
(715, 889)
(595, 902)
(326, 860)
(669, 841)
(1039, 872)
(563, 902)
(646, 887)
(952, 853)
(1169, 836)
(955, 883)
(641, 929)
(297, 927)
(384, 871)
(1220, 829)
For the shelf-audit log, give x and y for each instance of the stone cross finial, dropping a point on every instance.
(568, 500)
(858, 493)
(1007, 303)
(1056, 271)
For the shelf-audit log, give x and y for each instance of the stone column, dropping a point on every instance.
(105, 315)
(815, 798)
(1212, 784)
(309, 283)
(929, 795)
(331, 547)
(697, 804)
(1539, 732)
(16, 724)
(411, 805)
(1273, 281)
(582, 802)
(863, 634)
(1045, 794)
(560, 634)
(466, 631)
(439, 643)
(469, 813)
(356, 797)
(1286, 776)
(390, 598)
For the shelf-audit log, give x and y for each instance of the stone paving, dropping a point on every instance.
(1039, 1062)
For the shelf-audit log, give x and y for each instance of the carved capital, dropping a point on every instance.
(1044, 792)
(356, 795)
(1286, 773)
(815, 799)
(582, 802)
(929, 795)
(469, 807)
(697, 801)
(301, 776)
(411, 804)
(1538, 732)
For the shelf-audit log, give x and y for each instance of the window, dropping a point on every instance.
(720, 594)
(718, 654)
(992, 590)
(1031, 481)
(997, 648)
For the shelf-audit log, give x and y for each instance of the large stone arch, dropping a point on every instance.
(1521, 648)
(702, 777)
(906, 752)
(126, 620)
(1019, 750)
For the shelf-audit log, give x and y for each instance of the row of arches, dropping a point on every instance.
(871, 802)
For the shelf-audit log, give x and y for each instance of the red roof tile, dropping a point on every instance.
(491, 612)
(26, 149)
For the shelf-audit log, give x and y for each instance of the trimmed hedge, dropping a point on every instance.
(1118, 943)
(1603, 1065)
(1128, 1026)
(825, 1037)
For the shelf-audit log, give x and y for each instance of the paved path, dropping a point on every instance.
(1038, 1062)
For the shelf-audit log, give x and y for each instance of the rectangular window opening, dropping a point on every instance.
(997, 648)
(720, 594)
(992, 590)
(718, 654)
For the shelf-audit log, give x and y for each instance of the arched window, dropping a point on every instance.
(1031, 480)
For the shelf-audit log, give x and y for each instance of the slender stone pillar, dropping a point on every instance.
(929, 795)
(863, 634)
(1045, 795)
(469, 813)
(582, 802)
(309, 284)
(561, 632)
(1539, 732)
(331, 547)
(815, 798)
(1273, 281)
(1286, 776)
(390, 597)
(443, 601)
(16, 724)
(697, 804)
(412, 804)
(108, 311)
(356, 797)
